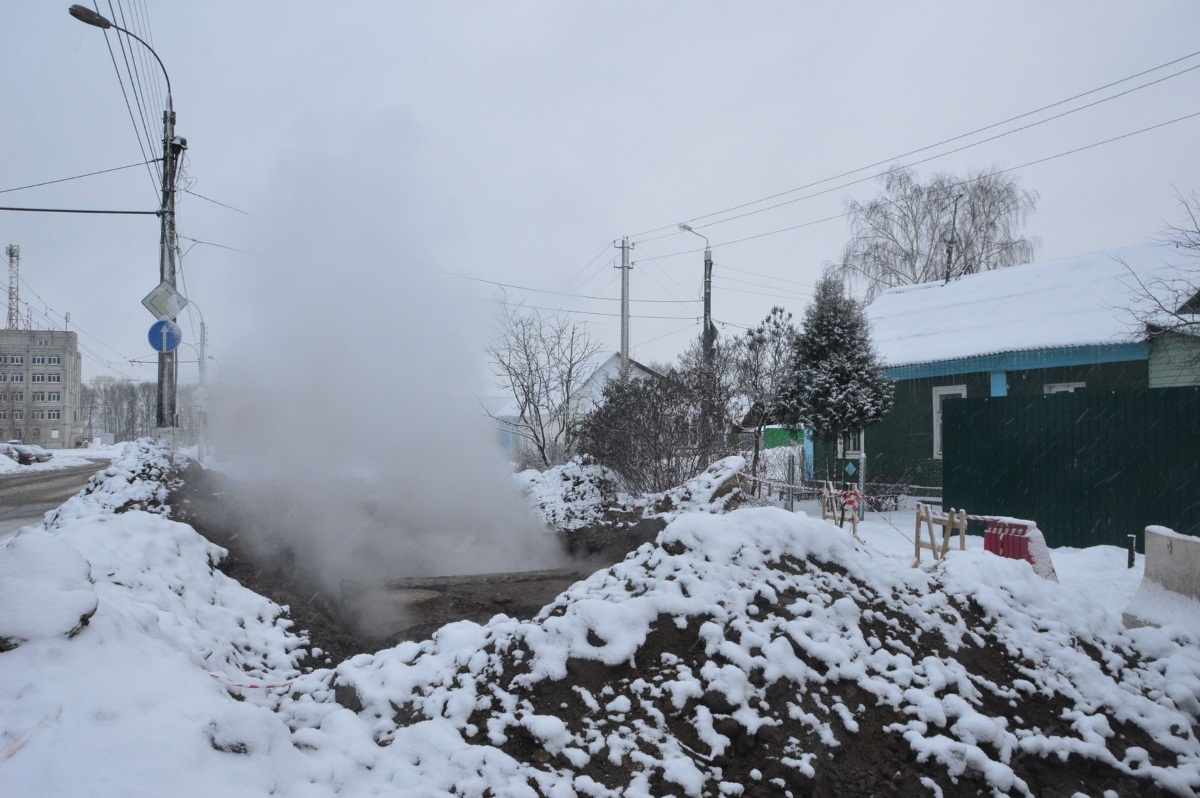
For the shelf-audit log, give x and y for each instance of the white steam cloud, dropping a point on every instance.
(352, 386)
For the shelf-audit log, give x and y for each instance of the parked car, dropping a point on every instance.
(9, 450)
(42, 455)
(22, 454)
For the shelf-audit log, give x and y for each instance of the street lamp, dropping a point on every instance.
(172, 147)
(709, 340)
(710, 332)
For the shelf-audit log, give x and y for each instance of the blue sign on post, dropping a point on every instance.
(165, 336)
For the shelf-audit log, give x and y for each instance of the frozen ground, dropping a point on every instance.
(753, 653)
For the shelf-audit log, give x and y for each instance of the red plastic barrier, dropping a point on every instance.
(1007, 539)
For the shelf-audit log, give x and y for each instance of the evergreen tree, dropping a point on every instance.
(836, 384)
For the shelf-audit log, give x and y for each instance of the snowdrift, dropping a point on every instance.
(753, 653)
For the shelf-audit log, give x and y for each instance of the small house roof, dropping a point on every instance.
(1085, 300)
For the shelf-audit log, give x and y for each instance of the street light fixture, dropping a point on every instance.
(710, 331)
(709, 339)
(172, 147)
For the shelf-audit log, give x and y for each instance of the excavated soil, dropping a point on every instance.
(364, 617)
(869, 761)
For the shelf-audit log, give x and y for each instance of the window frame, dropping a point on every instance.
(939, 392)
(1062, 387)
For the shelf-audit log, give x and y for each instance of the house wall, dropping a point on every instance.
(1090, 468)
(900, 448)
(1174, 361)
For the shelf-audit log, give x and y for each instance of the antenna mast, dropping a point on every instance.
(14, 292)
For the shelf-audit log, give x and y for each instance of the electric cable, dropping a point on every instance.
(558, 293)
(75, 177)
(956, 138)
(960, 183)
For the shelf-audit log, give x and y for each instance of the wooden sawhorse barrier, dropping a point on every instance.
(951, 522)
(837, 504)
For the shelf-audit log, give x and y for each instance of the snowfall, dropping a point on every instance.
(130, 666)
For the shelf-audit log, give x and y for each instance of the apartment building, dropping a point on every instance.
(40, 388)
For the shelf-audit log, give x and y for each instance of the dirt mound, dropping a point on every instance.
(711, 666)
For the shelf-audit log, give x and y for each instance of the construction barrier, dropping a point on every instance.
(1007, 538)
(951, 522)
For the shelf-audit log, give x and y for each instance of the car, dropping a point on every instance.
(21, 453)
(40, 454)
(8, 450)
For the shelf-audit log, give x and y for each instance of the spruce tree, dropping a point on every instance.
(836, 384)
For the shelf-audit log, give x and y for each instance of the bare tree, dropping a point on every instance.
(938, 230)
(764, 365)
(649, 431)
(1173, 306)
(540, 361)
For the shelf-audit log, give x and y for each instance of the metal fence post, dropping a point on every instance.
(791, 493)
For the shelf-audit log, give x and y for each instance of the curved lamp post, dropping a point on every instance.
(172, 147)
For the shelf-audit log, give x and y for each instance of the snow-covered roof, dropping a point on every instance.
(1085, 300)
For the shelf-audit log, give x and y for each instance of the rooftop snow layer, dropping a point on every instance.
(1085, 300)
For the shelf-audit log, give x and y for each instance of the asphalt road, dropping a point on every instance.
(26, 497)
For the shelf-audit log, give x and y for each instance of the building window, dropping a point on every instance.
(18, 415)
(54, 396)
(17, 377)
(1063, 387)
(940, 395)
(37, 378)
(38, 360)
(18, 396)
(54, 415)
(39, 396)
(39, 415)
(37, 433)
(3, 358)
(43, 342)
(850, 444)
(53, 378)
(16, 360)
(3, 414)
(55, 360)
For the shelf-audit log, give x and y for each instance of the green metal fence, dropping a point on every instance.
(1089, 468)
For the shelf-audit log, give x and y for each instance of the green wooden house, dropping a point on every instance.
(1079, 324)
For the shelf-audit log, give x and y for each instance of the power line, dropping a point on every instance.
(76, 177)
(765, 276)
(218, 246)
(668, 335)
(591, 312)
(222, 204)
(559, 293)
(145, 141)
(80, 210)
(960, 183)
(955, 138)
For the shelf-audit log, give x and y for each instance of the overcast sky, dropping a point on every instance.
(381, 147)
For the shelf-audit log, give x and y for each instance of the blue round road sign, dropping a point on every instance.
(165, 336)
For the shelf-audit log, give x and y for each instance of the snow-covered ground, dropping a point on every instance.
(135, 668)
(63, 458)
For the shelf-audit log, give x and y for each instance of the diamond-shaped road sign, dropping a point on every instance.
(164, 301)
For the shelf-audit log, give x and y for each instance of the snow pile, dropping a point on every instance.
(717, 490)
(755, 651)
(131, 703)
(574, 495)
(762, 645)
(45, 590)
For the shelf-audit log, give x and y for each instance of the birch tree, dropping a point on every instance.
(917, 232)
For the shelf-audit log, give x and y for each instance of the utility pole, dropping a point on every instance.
(172, 147)
(625, 266)
(708, 338)
(950, 238)
(710, 330)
